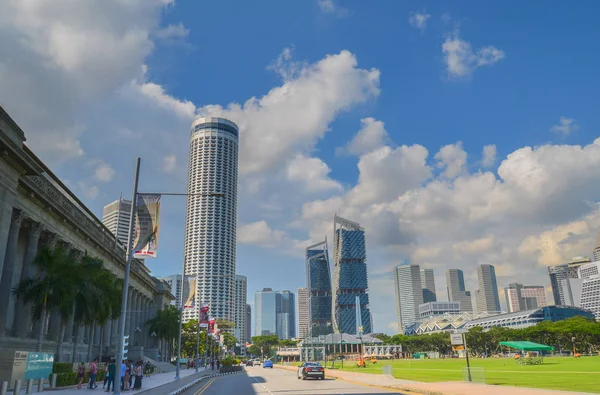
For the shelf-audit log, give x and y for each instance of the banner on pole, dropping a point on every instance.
(190, 303)
(147, 223)
(211, 325)
(203, 319)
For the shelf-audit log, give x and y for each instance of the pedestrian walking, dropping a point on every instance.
(147, 370)
(112, 375)
(123, 371)
(106, 373)
(93, 374)
(127, 377)
(212, 364)
(218, 364)
(137, 372)
(80, 374)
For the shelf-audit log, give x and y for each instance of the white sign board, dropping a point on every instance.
(456, 339)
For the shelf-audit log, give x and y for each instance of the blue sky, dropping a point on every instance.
(379, 111)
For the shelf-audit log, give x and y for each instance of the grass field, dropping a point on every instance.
(582, 374)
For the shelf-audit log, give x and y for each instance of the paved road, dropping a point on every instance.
(260, 381)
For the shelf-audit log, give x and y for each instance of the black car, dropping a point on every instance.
(311, 369)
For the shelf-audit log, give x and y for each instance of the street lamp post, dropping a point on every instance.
(129, 257)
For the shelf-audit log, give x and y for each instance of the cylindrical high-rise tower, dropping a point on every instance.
(210, 225)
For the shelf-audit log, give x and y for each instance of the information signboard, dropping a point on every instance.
(456, 339)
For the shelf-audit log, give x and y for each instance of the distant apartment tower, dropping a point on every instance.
(248, 323)
(487, 297)
(433, 309)
(273, 312)
(239, 317)
(350, 277)
(115, 216)
(428, 284)
(521, 297)
(318, 284)
(566, 271)
(409, 295)
(455, 285)
(174, 281)
(303, 313)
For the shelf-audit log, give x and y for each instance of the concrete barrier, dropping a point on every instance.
(29, 389)
(3, 387)
(53, 381)
(40, 385)
(17, 389)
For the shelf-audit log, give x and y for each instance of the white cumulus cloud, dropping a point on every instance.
(419, 19)
(371, 136)
(462, 61)
(489, 155)
(565, 126)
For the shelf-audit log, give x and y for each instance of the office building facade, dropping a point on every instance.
(239, 318)
(303, 312)
(350, 277)
(428, 284)
(274, 313)
(210, 228)
(590, 287)
(487, 297)
(248, 323)
(409, 295)
(521, 297)
(174, 282)
(318, 283)
(115, 216)
(455, 285)
(562, 272)
(432, 309)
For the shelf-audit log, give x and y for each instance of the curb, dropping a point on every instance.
(193, 383)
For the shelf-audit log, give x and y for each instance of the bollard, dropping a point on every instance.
(17, 389)
(41, 385)
(29, 389)
(53, 382)
(3, 387)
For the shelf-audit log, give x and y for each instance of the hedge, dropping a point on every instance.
(66, 379)
(62, 367)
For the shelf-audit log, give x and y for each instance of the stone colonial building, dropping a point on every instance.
(37, 209)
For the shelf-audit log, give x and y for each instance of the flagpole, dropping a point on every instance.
(121, 342)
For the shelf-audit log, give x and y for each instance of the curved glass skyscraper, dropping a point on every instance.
(210, 225)
(318, 282)
(349, 277)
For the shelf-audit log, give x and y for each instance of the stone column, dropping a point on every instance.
(144, 314)
(23, 318)
(135, 323)
(9, 275)
(114, 333)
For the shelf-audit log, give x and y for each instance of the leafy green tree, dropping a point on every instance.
(166, 325)
(266, 343)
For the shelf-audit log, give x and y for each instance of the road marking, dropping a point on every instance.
(204, 387)
(262, 385)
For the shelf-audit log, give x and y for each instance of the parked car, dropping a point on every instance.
(311, 369)
(256, 362)
(268, 364)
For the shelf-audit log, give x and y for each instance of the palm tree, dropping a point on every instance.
(91, 298)
(49, 290)
(166, 325)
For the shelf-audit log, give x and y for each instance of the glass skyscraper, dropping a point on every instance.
(275, 313)
(318, 282)
(350, 277)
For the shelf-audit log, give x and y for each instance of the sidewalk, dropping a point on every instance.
(148, 383)
(441, 388)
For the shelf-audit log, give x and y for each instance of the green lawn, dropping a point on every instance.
(564, 373)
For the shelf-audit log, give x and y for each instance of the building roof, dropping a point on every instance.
(444, 322)
(342, 338)
(527, 346)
